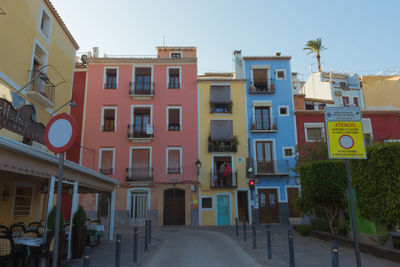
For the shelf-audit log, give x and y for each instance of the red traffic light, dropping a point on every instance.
(251, 184)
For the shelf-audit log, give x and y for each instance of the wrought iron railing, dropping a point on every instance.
(143, 174)
(40, 86)
(110, 85)
(174, 127)
(222, 146)
(267, 123)
(174, 170)
(174, 85)
(219, 180)
(108, 128)
(141, 132)
(146, 89)
(272, 167)
(221, 107)
(262, 88)
(106, 171)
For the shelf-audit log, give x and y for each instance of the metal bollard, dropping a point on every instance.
(149, 231)
(253, 229)
(244, 231)
(146, 237)
(291, 249)
(135, 243)
(237, 227)
(335, 254)
(118, 252)
(269, 242)
(86, 257)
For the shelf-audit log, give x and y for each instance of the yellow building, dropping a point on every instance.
(224, 192)
(381, 92)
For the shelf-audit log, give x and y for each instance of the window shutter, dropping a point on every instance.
(221, 130)
(220, 94)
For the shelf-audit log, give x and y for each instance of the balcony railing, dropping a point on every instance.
(223, 181)
(174, 127)
(110, 85)
(258, 124)
(174, 85)
(108, 171)
(108, 128)
(222, 146)
(42, 92)
(174, 170)
(272, 167)
(146, 89)
(141, 132)
(262, 88)
(139, 175)
(221, 107)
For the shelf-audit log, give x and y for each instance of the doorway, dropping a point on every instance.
(174, 207)
(293, 194)
(223, 210)
(268, 205)
(139, 208)
(243, 206)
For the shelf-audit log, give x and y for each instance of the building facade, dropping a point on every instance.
(270, 128)
(224, 193)
(140, 127)
(381, 92)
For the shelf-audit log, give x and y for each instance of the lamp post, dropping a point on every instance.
(198, 166)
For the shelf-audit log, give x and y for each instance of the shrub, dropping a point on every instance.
(320, 224)
(79, 218)
(304, 230)
(51, 219)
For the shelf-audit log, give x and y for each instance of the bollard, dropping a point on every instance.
(237, 227)
(149, 231)
(135, 243)
(118, 252)
(253, 229)
(244, 231)
(335, 254)
(291, 249)
(269, 242)
(146, 237)
(86, 257)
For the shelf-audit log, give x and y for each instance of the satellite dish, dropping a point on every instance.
(84, 59)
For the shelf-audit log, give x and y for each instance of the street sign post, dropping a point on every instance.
(346, 141)
(59, 136)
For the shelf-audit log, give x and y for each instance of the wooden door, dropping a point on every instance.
(293, 194)
(265, 163)
(268, 205)
(174, 207)
(243, 206)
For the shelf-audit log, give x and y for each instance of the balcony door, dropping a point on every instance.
(140, 166)
(139, 209)
(265, 162)
(143, 81)
(262, 118)
(141, 121)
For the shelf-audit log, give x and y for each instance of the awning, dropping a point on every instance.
(221, 130)
(220, 94)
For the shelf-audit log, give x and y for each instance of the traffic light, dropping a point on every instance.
(251, 184)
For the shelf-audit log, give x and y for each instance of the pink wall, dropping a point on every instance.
(186, 97)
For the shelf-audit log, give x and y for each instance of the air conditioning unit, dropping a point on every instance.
(149, 129)
(338, 93)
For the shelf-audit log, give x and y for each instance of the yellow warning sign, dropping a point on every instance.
(346, 139)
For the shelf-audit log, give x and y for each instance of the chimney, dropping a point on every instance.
(95, 52)
(239, 68)
(277, 54)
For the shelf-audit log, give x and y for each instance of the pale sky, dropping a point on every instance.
(361, 35)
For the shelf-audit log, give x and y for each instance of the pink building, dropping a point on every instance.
(140, 127)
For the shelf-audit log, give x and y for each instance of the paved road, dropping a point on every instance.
(190, 247)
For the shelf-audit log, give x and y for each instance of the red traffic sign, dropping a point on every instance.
(60, 133)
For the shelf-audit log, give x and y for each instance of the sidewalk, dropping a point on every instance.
(308, 251)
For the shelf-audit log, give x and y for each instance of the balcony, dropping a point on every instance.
(221, 107)
(220, 181)
(42, 92)
(110, 85)
(174, 127)
(141, 134)
(223, 146)
(174, 85)
(272, 167)
(139, 175)
(108, 128)
(108, 171)
(263, 125)
(177, 170)
(262, 88)
(141, 91)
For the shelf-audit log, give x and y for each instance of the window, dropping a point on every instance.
(173, 119)
(176, 55)
(280, 74)
(310, 105)
(344, 85)
(355, 101)
(23, 200)
(106, 161)
(109, 119)
(111, 78)
(143, 84)
(264, 157)
(174, 78)
(288, 152)
(345, 101)
(220, 99)
(142, 127)
(260, 79)
(206, 202)
(45, 24)
(262, 119)
(283, 111)
(222, 172)
(321, 106)
(174, 160)
(314, 132)
(140, 167)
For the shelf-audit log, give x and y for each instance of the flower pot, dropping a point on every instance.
(253, 126)
(78, 240)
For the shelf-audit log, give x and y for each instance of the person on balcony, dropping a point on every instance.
(227, 174)
(221, 171)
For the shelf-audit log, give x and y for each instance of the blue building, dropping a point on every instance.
(271, 133)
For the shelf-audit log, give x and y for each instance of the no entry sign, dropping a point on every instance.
(60, 133)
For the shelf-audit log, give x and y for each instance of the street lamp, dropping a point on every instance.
(198, 166)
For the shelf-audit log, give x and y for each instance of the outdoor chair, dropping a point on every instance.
(4, 231)
(45, 251)
(31, 233)
(34, 225)
(17, 228)
(6, 251)
(96, 222)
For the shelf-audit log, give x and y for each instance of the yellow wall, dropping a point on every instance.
(381, 91)
(19, 30)
(239, 130)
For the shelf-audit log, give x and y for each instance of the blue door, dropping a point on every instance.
(223, 210)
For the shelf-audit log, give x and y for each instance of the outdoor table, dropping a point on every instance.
(96, 231)
(28, 241)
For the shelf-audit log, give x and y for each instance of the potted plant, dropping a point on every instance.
(78, 232)
(274, 127)
(253, 126)
(51, 223)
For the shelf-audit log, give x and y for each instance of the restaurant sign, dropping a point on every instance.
(21, 121)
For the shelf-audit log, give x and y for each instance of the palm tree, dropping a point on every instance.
(315, 46)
